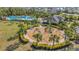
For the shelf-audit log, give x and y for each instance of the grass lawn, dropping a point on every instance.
(7, 30)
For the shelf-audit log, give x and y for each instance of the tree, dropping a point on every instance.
(70, 33)
(75, 17)
(3, 11)
(49, 26)
(52, 38)
(22, 28)
(57, 39)
(38, 36)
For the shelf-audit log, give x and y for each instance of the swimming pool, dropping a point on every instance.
(19, 18)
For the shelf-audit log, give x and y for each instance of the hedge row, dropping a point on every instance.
(22, 39)
(50, 47)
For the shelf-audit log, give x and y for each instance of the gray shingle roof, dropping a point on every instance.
(77, 29)
(57, 19)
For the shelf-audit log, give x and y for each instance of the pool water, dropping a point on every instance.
(19, 18)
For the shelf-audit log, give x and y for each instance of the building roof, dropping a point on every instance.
(77, 29)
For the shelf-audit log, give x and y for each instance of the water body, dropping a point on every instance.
(20, 18)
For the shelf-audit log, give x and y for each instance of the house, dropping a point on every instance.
(3, 18)
(54, 19)
(57, 19)
(77, 29)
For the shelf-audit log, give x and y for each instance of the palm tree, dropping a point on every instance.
(57, 39)
(49, 26)
(22, 28)
(52, 38)
(38, 36)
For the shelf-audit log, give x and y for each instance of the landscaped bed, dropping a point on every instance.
(44, 45)
(36, 45)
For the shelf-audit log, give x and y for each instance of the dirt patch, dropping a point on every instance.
(46, 34)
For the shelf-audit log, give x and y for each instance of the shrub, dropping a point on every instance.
(12, 47)
(22, 39)
(12, 38)
(9, 39)
(50, 47)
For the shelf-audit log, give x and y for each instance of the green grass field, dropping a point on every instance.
(8, 29)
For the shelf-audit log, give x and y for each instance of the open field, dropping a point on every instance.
(7, 30)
